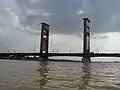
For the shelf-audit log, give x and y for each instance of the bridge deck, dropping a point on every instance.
(63, 54)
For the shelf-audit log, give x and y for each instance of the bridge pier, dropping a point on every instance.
(86, 59)
(44, 40)
(86, 41)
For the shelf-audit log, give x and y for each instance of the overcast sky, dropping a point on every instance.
(20, 24)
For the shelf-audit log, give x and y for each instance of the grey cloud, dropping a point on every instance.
(64, 18)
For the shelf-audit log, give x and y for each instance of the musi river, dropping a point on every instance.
(34, 75)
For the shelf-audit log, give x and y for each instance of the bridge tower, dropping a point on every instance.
(86, 40)
(44, 40)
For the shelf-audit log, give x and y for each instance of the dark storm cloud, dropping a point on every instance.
(64, 18)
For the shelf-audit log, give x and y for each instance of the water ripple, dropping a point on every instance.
(59, 76)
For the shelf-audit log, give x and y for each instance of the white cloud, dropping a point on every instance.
(46, 14)
(8, 17)
(64, 43)
(13, 35)
(86, 6)
(107, 42)
(80, 12)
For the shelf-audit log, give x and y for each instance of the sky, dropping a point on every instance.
(20, 24)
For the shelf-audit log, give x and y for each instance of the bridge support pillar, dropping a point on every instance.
(86, 59)
(44, 40)
(86, 40)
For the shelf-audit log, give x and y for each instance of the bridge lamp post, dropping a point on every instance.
(34, 54)
(57, 51)
(98, 51)
(53, 50)
(34, 51)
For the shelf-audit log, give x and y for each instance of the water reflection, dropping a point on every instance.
(86, 69)
(43, 70)
(59, 76)
(42, 82)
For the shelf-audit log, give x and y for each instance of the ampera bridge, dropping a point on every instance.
(86, 54)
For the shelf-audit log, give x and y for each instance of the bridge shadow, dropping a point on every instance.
(86, 69)
(43, 70)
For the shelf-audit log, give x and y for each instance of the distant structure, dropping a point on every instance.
(44, 40)
(43, 54)
(86, 39)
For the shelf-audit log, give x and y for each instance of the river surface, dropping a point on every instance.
(33, 75)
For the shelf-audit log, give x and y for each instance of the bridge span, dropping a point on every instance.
(44, 46)
(92, 54)
(85, 54)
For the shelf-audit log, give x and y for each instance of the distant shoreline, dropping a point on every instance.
(62, 60)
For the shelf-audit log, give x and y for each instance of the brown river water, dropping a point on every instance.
(34, 75)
